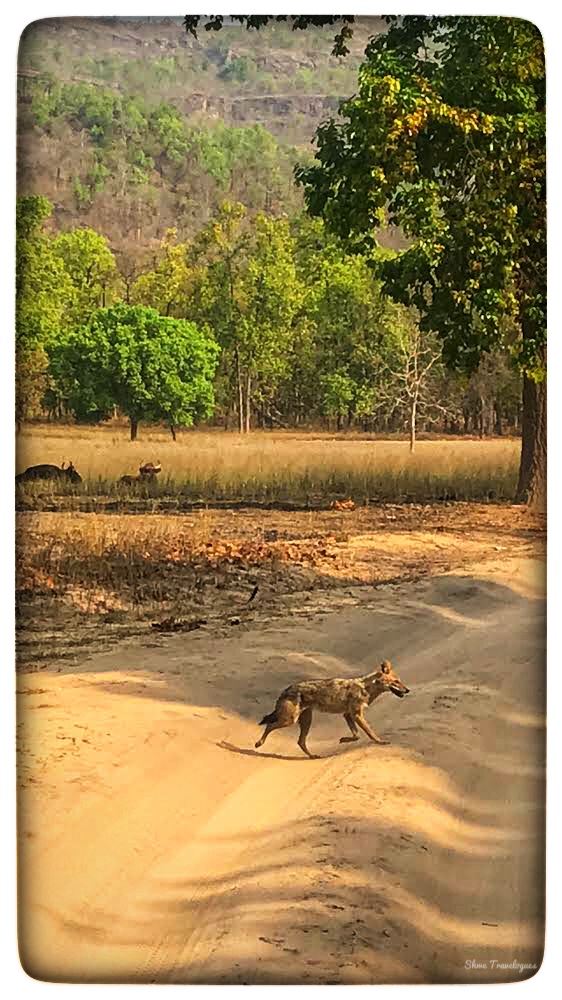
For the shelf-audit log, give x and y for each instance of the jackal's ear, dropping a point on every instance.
(386, 666)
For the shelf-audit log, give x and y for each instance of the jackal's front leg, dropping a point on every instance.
(355, 735)
(362, 722)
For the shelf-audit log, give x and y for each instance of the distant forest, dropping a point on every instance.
(155, 174)
(135, 127)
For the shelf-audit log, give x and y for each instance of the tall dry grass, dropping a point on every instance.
(117, 553)
(279, 465)
(97, 563)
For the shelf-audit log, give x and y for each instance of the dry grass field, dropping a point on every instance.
(88, 580)
(109, 559)
(278, 466)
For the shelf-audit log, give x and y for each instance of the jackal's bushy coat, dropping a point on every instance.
(338, 695)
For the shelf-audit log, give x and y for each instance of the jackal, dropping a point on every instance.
(344, 697)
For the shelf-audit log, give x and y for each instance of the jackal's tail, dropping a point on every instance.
(269, 718)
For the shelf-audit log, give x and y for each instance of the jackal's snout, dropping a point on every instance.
(399, 689)
(392, 680)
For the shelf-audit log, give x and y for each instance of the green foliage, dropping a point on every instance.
(167, 131)
(97, 176)
(32, 211)
(32, 381)
(82, 193)
(90, 266)
(269, 296)
(167, 287)
(219, 252)
(143, 142)
(43, 289)
(352, 325)
(150, 366)
(305, 331)
(240, 69)
(445, 138)
(248, 293)
(338, 394)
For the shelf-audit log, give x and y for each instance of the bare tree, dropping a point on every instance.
(408, 385)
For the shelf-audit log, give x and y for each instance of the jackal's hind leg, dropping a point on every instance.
(304, 724)
(269, 729)
(285, 715)
(362, 722)
(355, 735)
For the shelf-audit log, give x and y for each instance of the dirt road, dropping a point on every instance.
(157, 846)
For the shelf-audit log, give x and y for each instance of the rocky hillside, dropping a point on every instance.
(133, 126)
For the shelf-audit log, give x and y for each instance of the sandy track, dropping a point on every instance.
(157, 846)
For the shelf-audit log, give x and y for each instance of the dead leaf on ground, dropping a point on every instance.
(342, 505)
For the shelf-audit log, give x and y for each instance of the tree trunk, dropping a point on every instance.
(413, 409)
(481, 417)
(498, 418)
(240, 394)
(134, 428)
(173, 432)
(248, 398)
(531, 488)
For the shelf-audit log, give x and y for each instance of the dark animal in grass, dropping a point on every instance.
(149, 470)
(147, 474)
(49, 472)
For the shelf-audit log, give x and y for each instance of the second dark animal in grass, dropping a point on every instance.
(341, 696)
(148, 472)
(49, 472)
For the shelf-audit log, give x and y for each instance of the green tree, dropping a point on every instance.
(249, 294)
(168, 134)
(43, 293)
(338, 395)
(219, 253)
(167, 286)
(270, 297)
(151, 366)
(352, 320)
(32, 381)
(445, 138)
(360, 335)
(43, 289)
(90, 266)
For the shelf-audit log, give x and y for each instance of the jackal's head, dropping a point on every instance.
(385, 679)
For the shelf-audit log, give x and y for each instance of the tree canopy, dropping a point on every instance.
(43, 287)
(152, 367)
(249, 294)
(43, 292)
(445, 138)
(91, 267)
(306, 333)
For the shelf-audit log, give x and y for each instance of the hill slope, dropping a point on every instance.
(132, 126)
